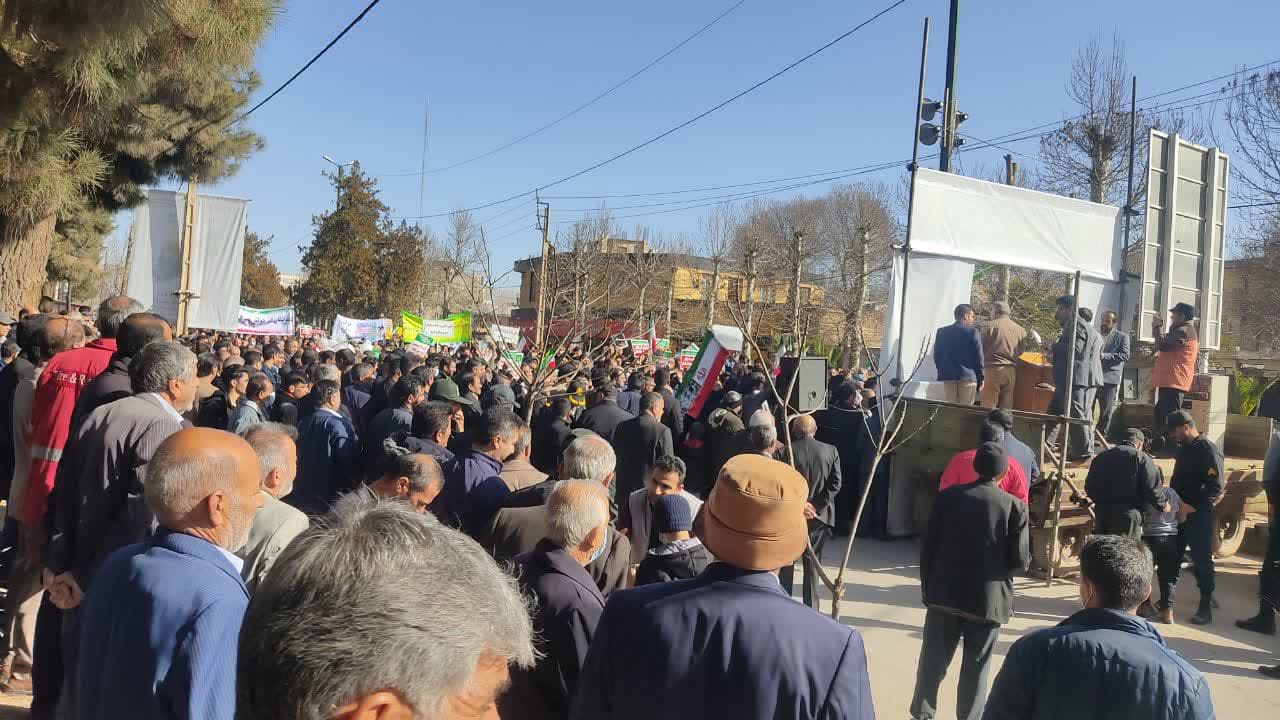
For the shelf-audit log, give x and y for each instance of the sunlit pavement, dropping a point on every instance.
(883, 603)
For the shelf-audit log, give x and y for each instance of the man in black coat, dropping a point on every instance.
(844, 424)
(639, 442)
(975, 541)
(1197, 478)
(604, 415)
(136, 332)
(672, 416)
(569, 603)
(819, 464)
(551, 434)
(1122, 483)
(521, 522)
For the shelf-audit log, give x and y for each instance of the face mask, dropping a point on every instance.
(600, 550)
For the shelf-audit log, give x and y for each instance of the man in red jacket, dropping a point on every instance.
(60, 385)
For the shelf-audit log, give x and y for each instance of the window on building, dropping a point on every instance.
(806, 295)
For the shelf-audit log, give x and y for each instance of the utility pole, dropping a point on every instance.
(949, 99)
(544, 223)
(184, 279)
(338, 199)
(751, 289)
(671, 299)
(795, 285)
(1006, 273)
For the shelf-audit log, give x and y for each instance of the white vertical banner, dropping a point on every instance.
(934, 287)
(217, 257)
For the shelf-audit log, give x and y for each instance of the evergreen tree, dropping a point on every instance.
(357, 264)
(97, 100)
(259, 277)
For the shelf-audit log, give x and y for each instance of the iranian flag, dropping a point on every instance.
(705, 370)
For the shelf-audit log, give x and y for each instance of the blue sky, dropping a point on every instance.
(495, 70)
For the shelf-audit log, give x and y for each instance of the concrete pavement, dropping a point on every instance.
(884, 605)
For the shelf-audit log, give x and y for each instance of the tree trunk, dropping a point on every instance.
(24, 252)
(855, 313)
(715, 292)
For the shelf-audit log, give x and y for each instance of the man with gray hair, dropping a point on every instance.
(569, 602)
(100, 489)
(277, 522)
(762, 439)
(418, 620)
(1002, 342)
(161, 620)
(521, 522)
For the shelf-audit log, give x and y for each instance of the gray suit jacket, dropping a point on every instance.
(274, 527)
(1088, 372)
(1115, 353)
(99, 505)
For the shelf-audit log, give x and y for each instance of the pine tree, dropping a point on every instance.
(259, 277)
(98, 99)
(341, 264)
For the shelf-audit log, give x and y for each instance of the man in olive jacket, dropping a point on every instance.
(975, 541)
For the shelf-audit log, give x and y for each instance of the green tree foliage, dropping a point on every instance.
(76, 255)
(97, 100)
(358, 263)
(260, 278)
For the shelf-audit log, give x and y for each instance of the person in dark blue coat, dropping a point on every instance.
(569, 603)
(160, 624)
(1103, 662)
(728, 643)
(473, 486)
(957, 356)
(327, 453)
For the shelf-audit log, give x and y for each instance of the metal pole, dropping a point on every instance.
(184, 280)
(911, 198)
(545, 221)
(949, 108)
(751, 290)
(1128, 203)
(1064, 431)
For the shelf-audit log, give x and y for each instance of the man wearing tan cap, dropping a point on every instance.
(731, 639)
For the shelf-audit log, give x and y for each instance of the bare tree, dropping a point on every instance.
(1088, 155)
(1252, 117)
(460, 254)
(858, 234)
(716, 244)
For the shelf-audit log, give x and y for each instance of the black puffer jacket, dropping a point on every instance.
(679, 560)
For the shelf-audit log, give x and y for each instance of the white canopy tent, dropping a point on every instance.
(957, 222)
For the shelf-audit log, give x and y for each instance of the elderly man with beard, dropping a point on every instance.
(161, 623)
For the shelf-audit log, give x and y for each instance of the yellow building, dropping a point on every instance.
(626, 277)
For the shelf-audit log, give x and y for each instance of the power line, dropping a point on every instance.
(355, 21)
(579, 108)
(886, 10)
(1254, 205)
(693, 190)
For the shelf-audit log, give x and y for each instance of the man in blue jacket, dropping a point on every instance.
(327, 452)
(957, 355)
(161, 622)
(729, 643)
(1103, 662)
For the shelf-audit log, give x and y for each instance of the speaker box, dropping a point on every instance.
(810, 392)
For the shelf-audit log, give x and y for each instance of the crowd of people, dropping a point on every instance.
(220, 526)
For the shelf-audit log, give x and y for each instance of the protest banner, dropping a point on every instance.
(686, 357)
(454, 329)
(509, 336)
(410, 325)
(345, 328)
(705, 368)
(640, 348)
(265, 321)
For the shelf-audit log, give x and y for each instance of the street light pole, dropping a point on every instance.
(340, 166)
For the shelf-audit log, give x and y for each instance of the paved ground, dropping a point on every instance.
(884, 605)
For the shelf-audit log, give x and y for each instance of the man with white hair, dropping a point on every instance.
(418, 622)
(277, 523)
(1002, 342)
(161, 621)
(521, 522)
(569, 602)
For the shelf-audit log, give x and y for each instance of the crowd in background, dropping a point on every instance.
(217, 525)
